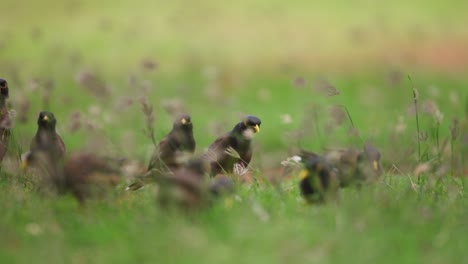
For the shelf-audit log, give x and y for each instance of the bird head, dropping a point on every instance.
(252, 122)
(46, 120)
(183, 121)
(372, 155)
(3, 88)
(314, 165)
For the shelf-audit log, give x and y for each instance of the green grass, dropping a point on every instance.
(223, 61)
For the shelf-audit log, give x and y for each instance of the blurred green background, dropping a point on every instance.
(250, 36)
(301, 66)
(227, 59)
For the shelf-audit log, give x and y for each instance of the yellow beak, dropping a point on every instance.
(45, 118)
(23, 165)
(375, 165)
(256, 129)
(183, 121)
(303, 174)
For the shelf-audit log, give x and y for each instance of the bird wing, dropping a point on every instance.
(4, 138)
(34, 144)
(221, 143)
(247, 157)
(60, 145)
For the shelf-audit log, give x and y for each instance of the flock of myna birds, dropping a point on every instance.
(180, 175)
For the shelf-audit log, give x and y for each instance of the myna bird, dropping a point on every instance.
(369, 164)
(353, 166)
(46, 152)
(345, 162)
(318, 180)
(88, 175)
(234, 147)
(5, 121)
(174, 148)
(46, 139)
(84, 174)
(175, 145)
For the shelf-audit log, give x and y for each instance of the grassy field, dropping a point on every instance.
(220, 61)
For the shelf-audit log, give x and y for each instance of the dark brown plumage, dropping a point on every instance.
(185, 187)
(88, 175)
(234, 147)
(173, 150)
(345, 163)
(84, 174)
(46, 153)
(48, 175)
(5, 121)
(353, 166)
(318, 180)
(177, 143)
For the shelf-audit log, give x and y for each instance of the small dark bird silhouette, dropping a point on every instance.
(175, 145)
(234, 147)
(353, 167)
(318, 180)
(88, 175)
(85, 175)
(174, 149)
(46, 152)
(46, 139)
(5, 119)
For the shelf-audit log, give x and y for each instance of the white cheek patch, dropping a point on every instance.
(248, 133)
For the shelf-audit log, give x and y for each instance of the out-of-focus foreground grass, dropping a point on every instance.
(91, 63)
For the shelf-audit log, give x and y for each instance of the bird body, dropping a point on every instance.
(352, 166)
(318, 180)
(345, 163)
(88, 175)
(46, 153)
(234, 147)
(5, 121)
(178, 142)
(84, 174)
(173, 150)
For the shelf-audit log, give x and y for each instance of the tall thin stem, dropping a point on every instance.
(415, 99)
